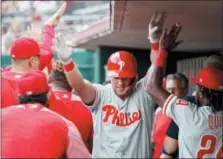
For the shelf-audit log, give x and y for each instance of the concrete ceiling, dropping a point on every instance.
(201, 21)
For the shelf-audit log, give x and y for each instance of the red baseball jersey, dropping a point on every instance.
(33, 131)
(160, 125)
(9, 96)
(72, 108)
(10, 84)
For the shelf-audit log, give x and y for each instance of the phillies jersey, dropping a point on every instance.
(200, 130)
(122, 128)
(33, 131)
(72, 108)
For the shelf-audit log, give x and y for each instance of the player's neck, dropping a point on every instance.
(19, 69)
(63, 87)
(204, 101)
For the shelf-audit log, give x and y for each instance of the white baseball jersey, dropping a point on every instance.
(200, 130)
(122, 129)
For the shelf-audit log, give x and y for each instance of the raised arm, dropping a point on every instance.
(155, 73)
(84, 88)
(48, 35)
(154, 33)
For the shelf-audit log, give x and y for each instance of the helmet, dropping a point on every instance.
(210, 77)
(122, 64)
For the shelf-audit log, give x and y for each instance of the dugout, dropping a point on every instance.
(127, 29)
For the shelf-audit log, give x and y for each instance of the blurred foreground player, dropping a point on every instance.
(31, 130)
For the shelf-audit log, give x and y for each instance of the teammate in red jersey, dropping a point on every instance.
(31, 130)
(28, 54)
(69, 105)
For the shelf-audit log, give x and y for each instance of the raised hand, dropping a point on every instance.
(53, 20)
(63, 51)
(173, 34)
(168, 40)
(155, 27)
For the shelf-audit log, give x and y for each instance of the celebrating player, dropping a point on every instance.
(200, 128)
(27, 54)
(122, 110)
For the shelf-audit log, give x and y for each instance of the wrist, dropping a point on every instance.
(161, 58)
(154, 46)
(69, 66)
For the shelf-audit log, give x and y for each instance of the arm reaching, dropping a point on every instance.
(155, 73)
(156, 70)
(154, 33)
(85, 89)
(48, 35)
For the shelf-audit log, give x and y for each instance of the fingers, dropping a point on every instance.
(172, 30)
(178, 29)
(161, 16)
(175, 30)
(153, 19)
(154, 29)
(61, 10)
(164, 35)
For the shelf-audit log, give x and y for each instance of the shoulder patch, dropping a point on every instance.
(181, 102)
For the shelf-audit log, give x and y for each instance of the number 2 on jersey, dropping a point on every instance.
(207, 151)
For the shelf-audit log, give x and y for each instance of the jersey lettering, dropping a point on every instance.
(181, 102)
(215, 121)
(121, 119)
(211, 141)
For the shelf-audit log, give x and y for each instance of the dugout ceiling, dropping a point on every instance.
(201, 21)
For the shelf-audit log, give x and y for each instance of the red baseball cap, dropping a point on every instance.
(33, 83)
(210, 77)
(36, 17)
(24, 48)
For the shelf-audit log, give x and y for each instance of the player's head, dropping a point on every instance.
(25, 54)
(214, 61)
(209, 90)
(122, 71)
(33, 88)
(58, 77)
(177, 84)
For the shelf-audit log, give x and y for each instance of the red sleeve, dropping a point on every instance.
(46, 51)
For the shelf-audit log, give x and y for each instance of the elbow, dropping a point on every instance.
(148, 87)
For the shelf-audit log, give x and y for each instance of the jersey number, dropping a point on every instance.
(207, 151)
(181, 102)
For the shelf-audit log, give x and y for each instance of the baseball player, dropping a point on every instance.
(170, 148)
(27, 54)
(70, 106)
(31, 130)
(122, 110)
(200, 128)
(21, 49)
